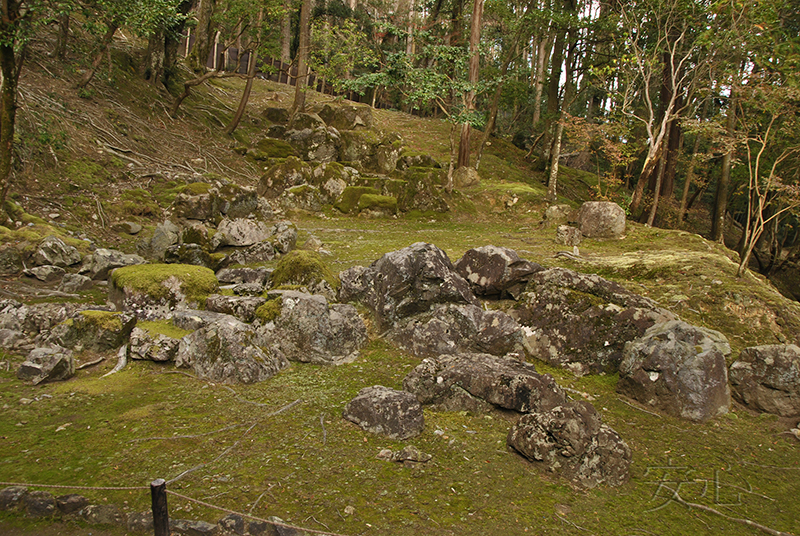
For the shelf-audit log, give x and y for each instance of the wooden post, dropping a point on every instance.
(158, 495)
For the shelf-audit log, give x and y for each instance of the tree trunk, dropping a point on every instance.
(63, 36)
(569, 92)
(248, 86)
(689, 179)
(156, 57)
(542, 53)
(552, 91)
(203, 36)
(474, 66)
(721, 197)
(8, 111)
(286, 34)
(98, 59)
(494, 106)
(662, 167)
(299, 104)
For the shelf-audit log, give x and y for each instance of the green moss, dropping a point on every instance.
(138, 202)
(270, 310)
(377, 202)
(273, 148)
(197, 188)
(163, 327)
(348, 201)
(102, 320)
(196, 282)
(300, 267)
(83, 174)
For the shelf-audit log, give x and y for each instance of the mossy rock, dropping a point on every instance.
(197, 188)
(95, 330)
(267, 148)
(163, 327)
(349, 199)
(161, 286)
(286, 174)
(270, 310)
(377, 203)
(305, 268)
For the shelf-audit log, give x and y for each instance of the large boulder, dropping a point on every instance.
(103, 261)
(347, 117)
(318, 144)
(404, 283)
(152, 346)
(582, 321)
(241, 232)
(311, 330)
(679, 369)
(242, 307)
(47, 364)
(47, 273)
(166, 234)
(244, 275)
(385, 411)
(11, 262)
(474, 381)
(283, 175)
(570, 440)
(495, 272)
(193, 254)
(94, 330)
(53, 251)
(227, 351)
(767, 378)
(601, 219)
(459, 328)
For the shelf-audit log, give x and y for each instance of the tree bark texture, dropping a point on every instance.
(474, 67)
(203, 36)
(299, 104)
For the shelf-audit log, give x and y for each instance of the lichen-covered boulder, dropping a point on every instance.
(582, 321)
(268, 148)
(155, 290)
(302, 197)
(105, 260)
(558, 215)
(12, 497)
(244, 275)
(466, 177)
(452, 328)
(75, 283)
(166, 234)
(570, 440)
(241, 232)
(47, 273)
(409, 159)
(191, 254)
(95, 330)
(301, 121)
(767, 378)
(47, 364)
(385, 411)
(53, 251)
(601, 219)
(197, 201)
(568, 236)
(16, 341)
(347, 117)
(306, 269)
(11, 262)
(404, 283)
(257, 253)
(311, 330)
(495, 272)
(150, 346)
(242, 307)
(281, 176)
(471, 382)
(679, 369)
(320, 144)
(284, 236)
(227, 351)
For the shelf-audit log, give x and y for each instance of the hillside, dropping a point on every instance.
(97, 158)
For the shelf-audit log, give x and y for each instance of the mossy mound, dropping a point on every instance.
(378, 203)
(349, 200)
(163, 327)
(267, 148)
(305, 268)
(270, 310)
(164, 283)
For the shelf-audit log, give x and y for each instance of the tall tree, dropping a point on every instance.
(299, 104)
(472, 81)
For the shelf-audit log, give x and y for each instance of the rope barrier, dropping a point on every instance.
(61, 486)
(209, 505)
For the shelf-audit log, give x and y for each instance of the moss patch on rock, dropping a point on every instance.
(196, 282)
(382, 203)
(163, 327)
(349, 199)
(270, 310)
(301, 267)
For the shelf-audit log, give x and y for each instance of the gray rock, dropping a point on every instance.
(311, 330)
(570, 440)
(193, 319)
(404, 283)
(240, 202)
(452, 329)
(601, 219)
(12, 497)
(226, 351)
(13, 315)
(416, 160)
(47, 364)
(47, 273)
(105, 260)
(103, 514)
(53, 251)
(301, 121)
(94, 330)
(767, 379)
(284, 236)
(302, 197)
(276, 115)
(679, 369)
(10, 260)
(319, 144)
(385, 411)
(75, 283)
(257, 253)
(473, 381)
(242, 307)
(69, 504)
(347, 117)
(582, 321)
(466, 177)
(128, 227)
(291, 172)
(409, 453)
(140, 522)
(241, 232)
(558, 214)
(39, 504)
(193, 254)
(166, 234)
(248, 289)
(193, 528)
(152, 347)
(197, 206)
(232, 524)
(568, 236)
(14, 340)
(496, 271)
(244, 275)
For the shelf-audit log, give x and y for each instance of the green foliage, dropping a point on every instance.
(340, 52)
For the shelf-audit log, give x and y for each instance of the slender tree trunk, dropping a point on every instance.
(286, 34)
(203, 36)
(248, 86)
(569, 92)
(721, 197)
(299, 104)
(493, 107)
(98, 59)
(155, 58)
(689, 179)
(662, 167)
(474, 65)
(8, 111)
(542, 54)
(63, 36)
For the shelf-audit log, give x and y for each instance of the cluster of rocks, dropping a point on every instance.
(41, 504)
